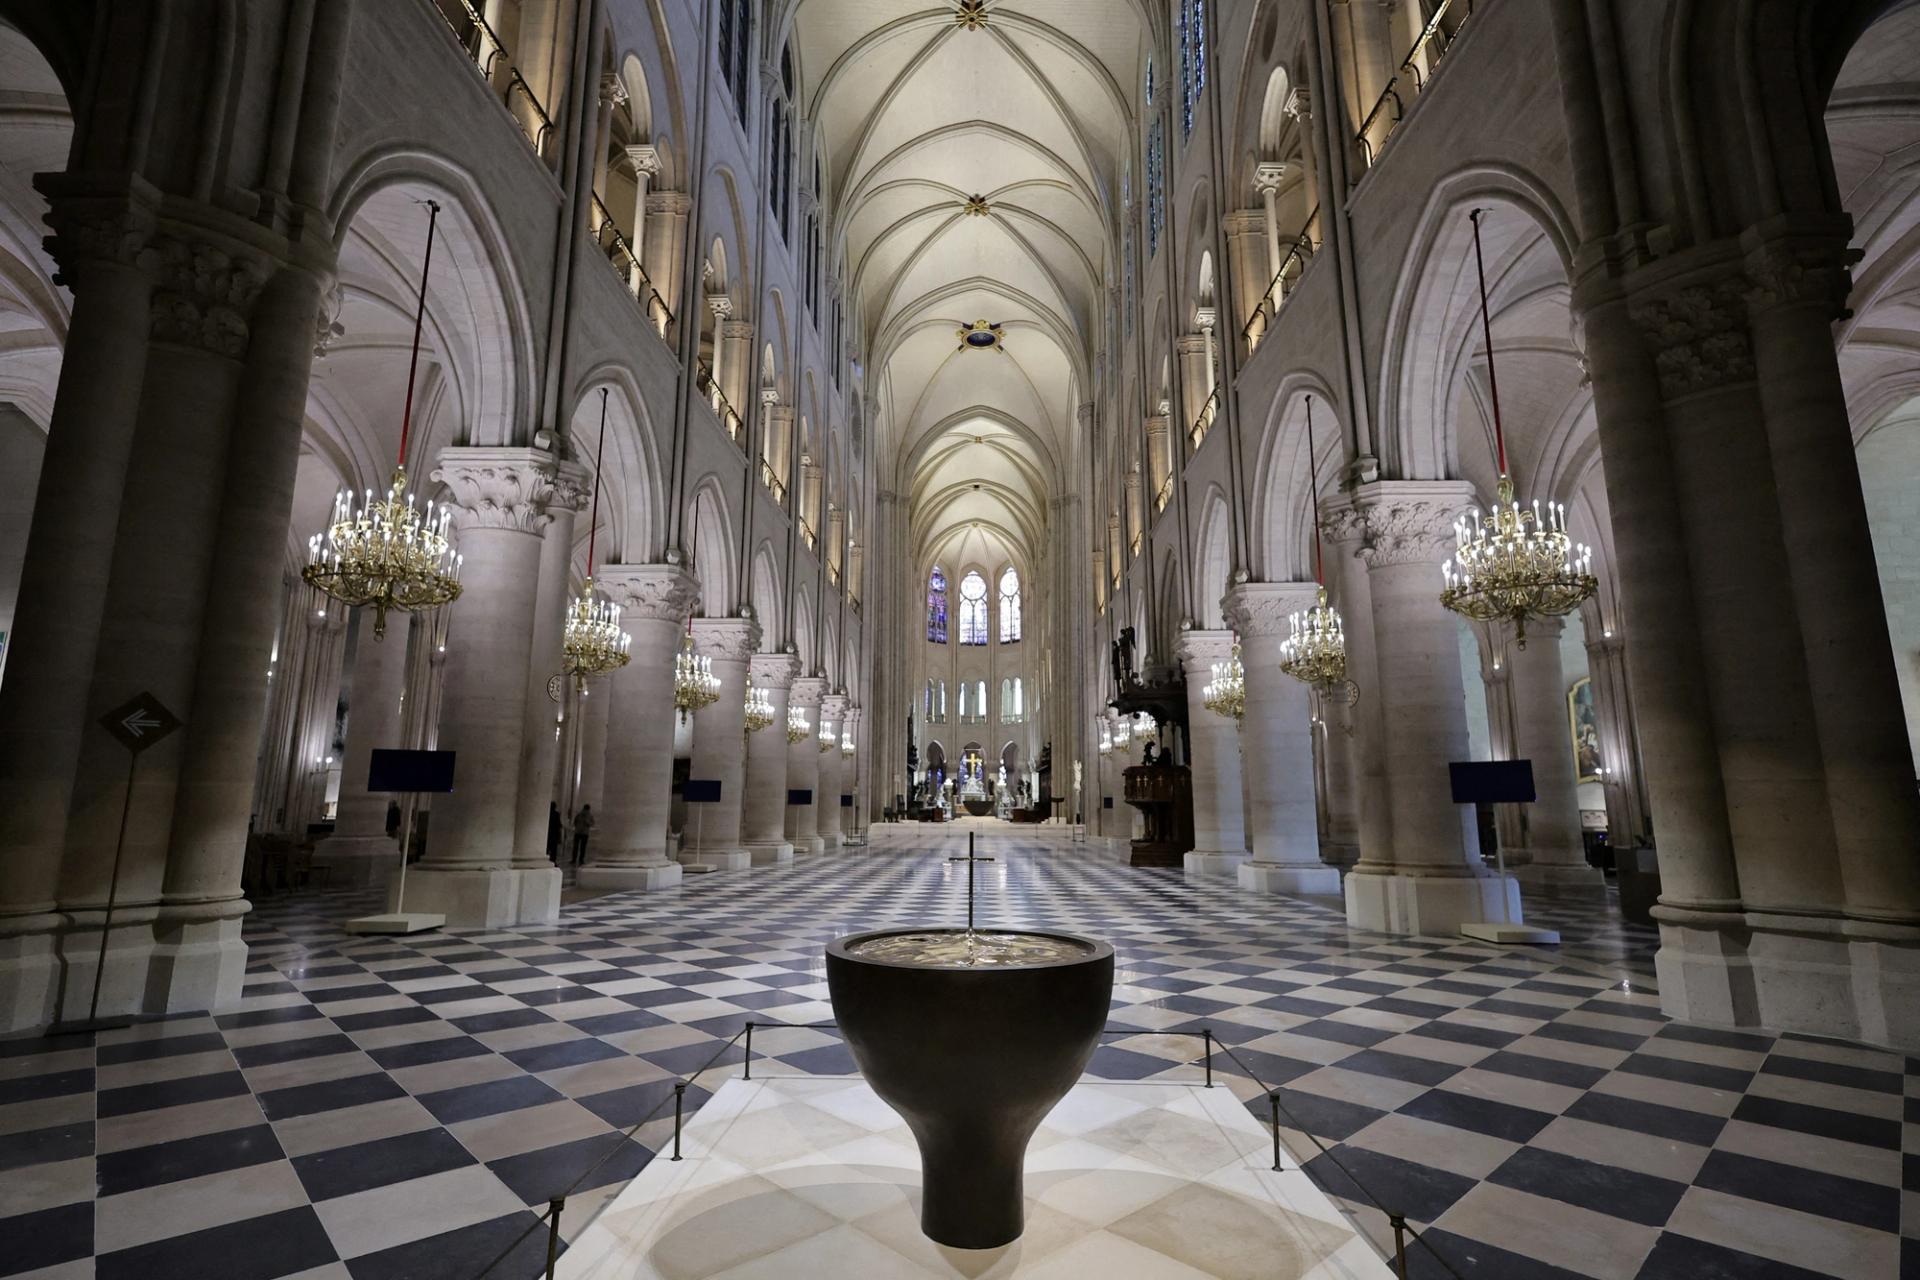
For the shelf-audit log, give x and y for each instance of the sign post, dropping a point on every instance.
(1478, 782)
(136, 724)
(406, 773)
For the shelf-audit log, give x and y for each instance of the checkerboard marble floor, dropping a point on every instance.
(380, 1107)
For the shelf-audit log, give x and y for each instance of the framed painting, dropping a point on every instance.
(1584, 729)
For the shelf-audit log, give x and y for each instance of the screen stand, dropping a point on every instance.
(399, 920)
(1503, 930)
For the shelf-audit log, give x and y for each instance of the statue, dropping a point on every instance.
(1123, 655)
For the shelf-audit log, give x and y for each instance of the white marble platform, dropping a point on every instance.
(814, 1178)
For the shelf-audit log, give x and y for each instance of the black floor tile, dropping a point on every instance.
(195, 1157)
(277, 1244)
(1825, 1122)
(329, 1095)
(1481, 1115)
(170, 1093)
(44, 1146)
(382, 1162)
(581, 1165)
(1827, 1195)
(1677, 1257)
(469, 1102)
(512, 1246)
(1414, 1190)
(421, 1052)
(1619, 1193)
(1695, 1127)
(44, 1239)
(1550, 1070)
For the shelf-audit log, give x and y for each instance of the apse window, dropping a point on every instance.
(937, 606)
(973, 608)
(1009, 606)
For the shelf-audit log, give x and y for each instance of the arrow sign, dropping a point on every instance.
(140, 723)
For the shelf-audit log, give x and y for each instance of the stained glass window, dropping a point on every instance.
(1184, 38)
(937, 605)
(1009, 606)
(1156, 184)
(973, 608)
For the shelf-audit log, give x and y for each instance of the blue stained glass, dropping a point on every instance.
(937, 606)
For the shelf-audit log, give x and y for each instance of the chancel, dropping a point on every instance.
(749, 446)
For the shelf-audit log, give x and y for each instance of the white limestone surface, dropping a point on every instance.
(814, 1177)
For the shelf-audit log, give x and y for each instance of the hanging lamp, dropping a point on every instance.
(797, 727)
(694, 684)
(594, 643)
(1513, 563)
(759, 707)
(1225, 693)
(389, 553)
(1315, 650)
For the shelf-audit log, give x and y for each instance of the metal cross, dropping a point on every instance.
(970, 860)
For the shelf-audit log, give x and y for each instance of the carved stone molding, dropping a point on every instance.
(1782, 275)
(95, 229)
(1698, 335)
(651, 592)
(668, 203)
(645, 158)
(1407, 521)
(1261, 609)
(203, 291)
(774, 670)
(726, 639)
(1268, 177)
(833, 707)
(504, 488)
(807, 691)
(1199, 650)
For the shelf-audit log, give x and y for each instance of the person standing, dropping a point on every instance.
(582, 826)
(553, 832)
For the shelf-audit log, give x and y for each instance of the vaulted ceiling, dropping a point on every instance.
(918, 114)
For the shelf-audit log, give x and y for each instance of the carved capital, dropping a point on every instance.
(726, 639)
(1261, 609)
(88, 228)
(807, 691)
(1199, 650)
(1781, 274)
(1409, 521)
(1698, 334)
(656, 592)
(1299, 105)
(645, 158)
(500, 488)
(613, 91)
(720, 304)
(1267, 178)
(774, 670)
(833, 707)
(204, 290)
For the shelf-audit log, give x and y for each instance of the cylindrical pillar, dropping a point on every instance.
(764, 816)
(1276, 742)
(833, 710)
(629, 845)
(712, 834)
(803, 767)
(1219, 826)
(1559, 858)
(467, 872)
(566, 495)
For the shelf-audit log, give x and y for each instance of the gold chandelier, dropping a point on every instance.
(1315, 650)
(694, 684)
(797, 727)
(827, 740)
(1513, 563)
(759, 709)
(1225, 694)
(388, 553)
(594, 642)
(846, 742)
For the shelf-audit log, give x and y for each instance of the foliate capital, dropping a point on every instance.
(1409, 521)
(507, 488)
(808, 691)
(645, 158)
(1262, 609)
(833, 707)
(727, 639)
(110, 227)
(204, 288)
(1785, 274)
(774, 670)
(1199, 650)
(1267, 177)
(1697, 333)
(656, 592)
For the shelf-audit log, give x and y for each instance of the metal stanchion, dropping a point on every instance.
(554, 1207)
(747, 1074)
(1399, 1224)
(679, 1098)
(1273, 1102)
(1208, 1033)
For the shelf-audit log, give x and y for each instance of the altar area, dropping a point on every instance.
(814, 1178)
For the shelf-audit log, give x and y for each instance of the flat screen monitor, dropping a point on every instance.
(703, 791)
(392, 769)
(1492, 781)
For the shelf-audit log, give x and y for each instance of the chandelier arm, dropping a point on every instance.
(1486, 333)
(419, 320)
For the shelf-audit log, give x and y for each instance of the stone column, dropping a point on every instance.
(1435, 881)
(629, 845)
(1159, 466)
(64, 579)
(722, 307)
(666, 241)
(566, 496)
(803, 768)
(833, 710)
(719, 745)
(1193, 352)
(1219, 827)
(1621, 778)
(850, 772)
(360, 851)
(1799, 290)
(764, 818)
(738, 336)
(592, 710)
(1266, 183)
(1300, 107)
(612, 93)
(1277, 741)
(1558, 861)
(468, 871)
(645, 159)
